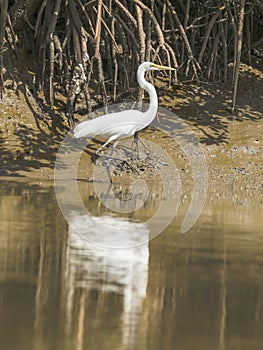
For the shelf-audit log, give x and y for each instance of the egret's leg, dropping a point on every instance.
(108, 172)
(109, 158)
(112, 138)
(144, 144)
(136, 141)
(113, 147)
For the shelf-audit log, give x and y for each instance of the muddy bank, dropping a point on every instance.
(30, 133)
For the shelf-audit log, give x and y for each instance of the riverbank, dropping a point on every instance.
(31, 132)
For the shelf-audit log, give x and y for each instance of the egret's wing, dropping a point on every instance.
(121, 123)
(93, 127)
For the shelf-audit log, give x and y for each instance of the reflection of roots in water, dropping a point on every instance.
(123, 193)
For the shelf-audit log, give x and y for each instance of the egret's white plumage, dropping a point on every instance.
(123, 124)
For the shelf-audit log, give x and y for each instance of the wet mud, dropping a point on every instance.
(31, 133)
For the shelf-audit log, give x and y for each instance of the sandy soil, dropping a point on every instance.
(30, 132)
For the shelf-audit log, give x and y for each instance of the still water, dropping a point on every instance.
(202, 290)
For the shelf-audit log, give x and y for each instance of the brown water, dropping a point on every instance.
(202, 290)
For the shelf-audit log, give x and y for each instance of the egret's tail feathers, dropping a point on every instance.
(78, 133)
(81, 130)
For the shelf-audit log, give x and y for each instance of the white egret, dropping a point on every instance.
(115, 126)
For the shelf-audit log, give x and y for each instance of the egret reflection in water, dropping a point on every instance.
(110, 231)
(123, 271)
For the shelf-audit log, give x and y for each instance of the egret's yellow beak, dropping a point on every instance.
(162, 67)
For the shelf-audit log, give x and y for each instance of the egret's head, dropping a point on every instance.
(146, 66)
(152, 66)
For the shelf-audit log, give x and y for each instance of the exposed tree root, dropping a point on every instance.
(91, 48)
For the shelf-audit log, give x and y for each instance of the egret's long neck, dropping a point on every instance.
(152, 110)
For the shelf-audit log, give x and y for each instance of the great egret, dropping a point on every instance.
(123, 124)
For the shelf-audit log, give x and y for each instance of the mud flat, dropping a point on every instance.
(31, 133)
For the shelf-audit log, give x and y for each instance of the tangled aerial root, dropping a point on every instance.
(92, 47)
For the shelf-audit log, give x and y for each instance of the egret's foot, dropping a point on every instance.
(98, 152)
